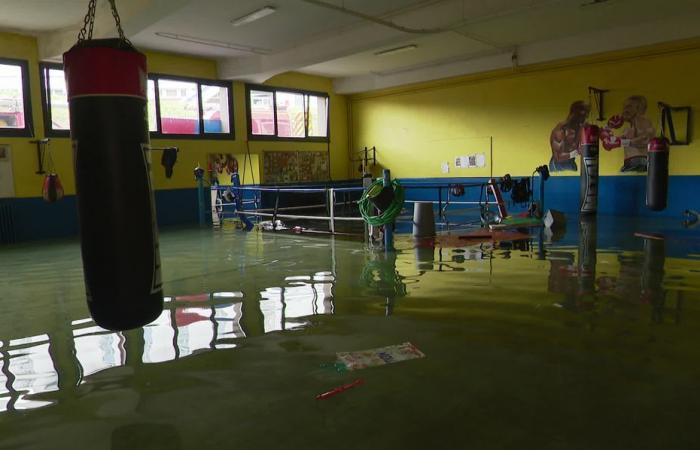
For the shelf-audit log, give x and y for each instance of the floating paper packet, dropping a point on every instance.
(379, 356)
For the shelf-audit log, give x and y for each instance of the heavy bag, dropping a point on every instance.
(587, 254)
(106, 81)
(589, 169)
(657, 173)
(53, 189)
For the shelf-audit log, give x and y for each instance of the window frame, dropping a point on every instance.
(274, 90)
(28, 130)
(158, 134)
(45, 83)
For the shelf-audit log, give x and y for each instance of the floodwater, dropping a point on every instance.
(584, 340)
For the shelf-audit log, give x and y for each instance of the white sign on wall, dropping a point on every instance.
(7, 184)
(470, 161)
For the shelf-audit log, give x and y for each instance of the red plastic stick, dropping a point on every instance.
(339, 389)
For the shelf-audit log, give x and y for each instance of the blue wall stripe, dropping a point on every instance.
(618, 196)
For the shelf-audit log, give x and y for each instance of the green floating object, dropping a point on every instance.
(517, 222)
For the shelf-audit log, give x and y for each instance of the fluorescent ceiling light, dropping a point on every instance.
(255, 15)
(213, 43)
(391, 51)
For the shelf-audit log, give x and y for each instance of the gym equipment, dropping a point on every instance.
(457, 190)
(589, 169)
(587, 255)
(657, 173)
(53, 189)
(106, 81)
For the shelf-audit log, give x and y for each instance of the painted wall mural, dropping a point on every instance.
(637, 131)
(565, 137)
(629, 130)
(290, 167)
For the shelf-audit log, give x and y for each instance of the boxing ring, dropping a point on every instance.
(335, 208)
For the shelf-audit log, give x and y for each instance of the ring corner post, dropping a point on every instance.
(388, 228)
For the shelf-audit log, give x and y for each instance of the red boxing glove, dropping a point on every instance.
(609, 140)
(615, 121)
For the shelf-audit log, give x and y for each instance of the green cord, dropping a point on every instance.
(388, 216)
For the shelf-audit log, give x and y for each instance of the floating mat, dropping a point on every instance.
(650, 235)
(379, 356)
(494, 235)
(471, 238)
(517, 222)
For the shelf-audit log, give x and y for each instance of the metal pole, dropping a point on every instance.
(200, 198)
(389, 227)
(331, 209)
(541, 195)
(236, 182)
(276, 210)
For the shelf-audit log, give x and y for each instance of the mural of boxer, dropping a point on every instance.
(634, 138)
(564, 139)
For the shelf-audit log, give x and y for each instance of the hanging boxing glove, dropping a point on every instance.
(52, 189)
(657, 173)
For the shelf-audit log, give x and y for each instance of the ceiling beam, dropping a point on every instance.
(135, 15)
(619, 38)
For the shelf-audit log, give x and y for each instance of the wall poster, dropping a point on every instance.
(291, 167)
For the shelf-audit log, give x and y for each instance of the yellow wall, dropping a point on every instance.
(417, 127)
(192, 151)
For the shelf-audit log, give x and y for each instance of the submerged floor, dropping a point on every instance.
(589, 342)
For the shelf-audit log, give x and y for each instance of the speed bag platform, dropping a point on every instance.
(106, 81)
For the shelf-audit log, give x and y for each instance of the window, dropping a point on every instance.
(176, 107)
(151, 104)
(186, 107)
(286, 114)
(15, 104)
(55, 100)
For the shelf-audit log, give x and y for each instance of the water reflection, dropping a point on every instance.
(189, 324)
(639, 280)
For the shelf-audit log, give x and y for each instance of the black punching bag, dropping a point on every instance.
(657, 173)
(106, 80)
(589, 169)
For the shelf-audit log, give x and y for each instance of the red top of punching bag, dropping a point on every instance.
(103, 68)
(590, 134)
(658, 144)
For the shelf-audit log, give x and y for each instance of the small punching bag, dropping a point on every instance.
(589, 169)
(52, 189)
(657, 173)
(106, 81)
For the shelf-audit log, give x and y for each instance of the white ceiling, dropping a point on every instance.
(340, 38)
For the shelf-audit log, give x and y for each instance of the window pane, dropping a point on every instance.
(290, 115)
(152, 120)
(179, 107)
(215, 106)
(11, 97)
(262, 116)
(318, 116)
(60, 119)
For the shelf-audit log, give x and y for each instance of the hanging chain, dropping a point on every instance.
(118, 21)
(89, 22)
